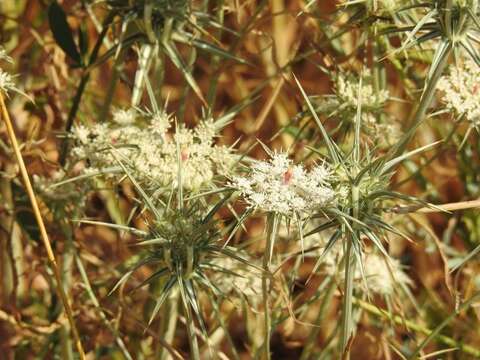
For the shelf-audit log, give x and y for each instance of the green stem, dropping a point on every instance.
(349, 258)
(224, 329)
(192, 337)
(272, 226)
(66, 343)
(168, 321)
(347, 326)
(172, 324)
(266, 312)
(425, 101)
(215, 61)
(147, 21)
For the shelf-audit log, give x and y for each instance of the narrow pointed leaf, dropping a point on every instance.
(62, 32)
(163, 296)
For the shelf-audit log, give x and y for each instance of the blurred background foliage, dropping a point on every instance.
(222, 57)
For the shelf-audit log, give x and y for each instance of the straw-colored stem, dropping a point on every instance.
(43, 232)
(456, 206)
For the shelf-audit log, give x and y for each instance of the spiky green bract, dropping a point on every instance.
(182, 245)
(451, 21)
(188, 238)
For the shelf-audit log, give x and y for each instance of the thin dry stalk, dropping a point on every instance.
(268, 106)
(456, 206)
(41, 226)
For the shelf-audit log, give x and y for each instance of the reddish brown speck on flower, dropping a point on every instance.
(184, 155)
(287, 176)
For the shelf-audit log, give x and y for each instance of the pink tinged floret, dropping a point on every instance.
(287, 176)
(184, 155)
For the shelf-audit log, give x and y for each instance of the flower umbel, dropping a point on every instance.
(279, 186)
(152, 153)
(346, 98)
(461, 91)
(350, 91)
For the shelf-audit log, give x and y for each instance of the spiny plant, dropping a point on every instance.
(363, 181)
(184, 240)
(192, 219)
(183, 245)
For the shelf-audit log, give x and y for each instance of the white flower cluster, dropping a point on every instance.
(461, 91)
(245, 282)
(347, 91)
(281, 187)
(6, 80)
(345, 99)
(344, 102)
(152, 153)
(125, 117)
